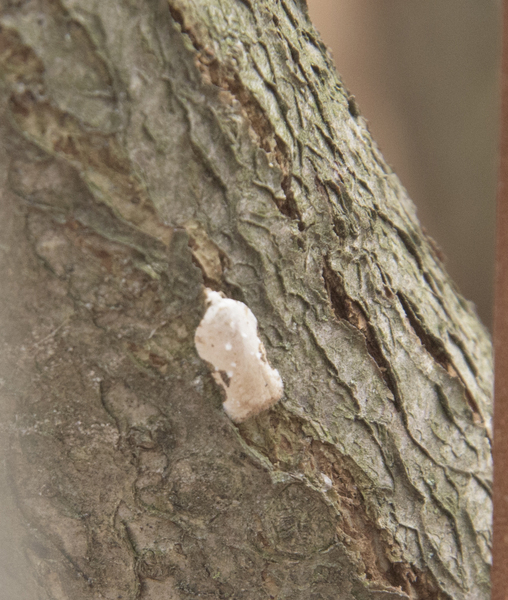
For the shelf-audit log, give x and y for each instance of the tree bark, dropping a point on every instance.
(150, 149)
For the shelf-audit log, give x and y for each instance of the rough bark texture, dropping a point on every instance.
(150, 148)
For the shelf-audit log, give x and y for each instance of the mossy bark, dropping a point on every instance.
(151, 148)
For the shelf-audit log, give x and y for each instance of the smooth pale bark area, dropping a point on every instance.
(150, 149)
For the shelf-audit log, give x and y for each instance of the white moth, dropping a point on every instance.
(227, 338)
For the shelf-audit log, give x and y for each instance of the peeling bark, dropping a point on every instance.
(150, 149)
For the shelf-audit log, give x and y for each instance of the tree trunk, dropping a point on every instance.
(150, 149)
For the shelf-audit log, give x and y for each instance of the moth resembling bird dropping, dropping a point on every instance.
(227, 339)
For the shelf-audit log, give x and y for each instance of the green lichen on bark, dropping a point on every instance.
(151, 148)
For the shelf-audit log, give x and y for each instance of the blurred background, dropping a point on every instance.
(425, 75)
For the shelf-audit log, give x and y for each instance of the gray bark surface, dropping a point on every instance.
(149, 149)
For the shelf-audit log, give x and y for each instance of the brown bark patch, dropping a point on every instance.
(227, 79)
(285, 441)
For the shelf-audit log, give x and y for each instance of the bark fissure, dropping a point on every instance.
(348, 309)
(433, 345)
(436, 348)
(406, 240)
